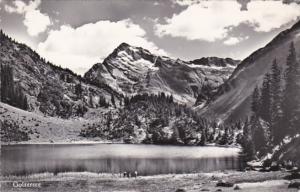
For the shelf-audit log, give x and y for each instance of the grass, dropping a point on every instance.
(93, 182)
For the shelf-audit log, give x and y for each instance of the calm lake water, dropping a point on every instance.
(116, 158)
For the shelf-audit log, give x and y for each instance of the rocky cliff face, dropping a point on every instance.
(134, 70)
(233, 98)
(49, 89)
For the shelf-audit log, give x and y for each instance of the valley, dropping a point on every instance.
(184, 112)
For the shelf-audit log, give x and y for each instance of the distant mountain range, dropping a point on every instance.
(127, 71)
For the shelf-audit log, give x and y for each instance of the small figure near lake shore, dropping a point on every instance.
(128, 174)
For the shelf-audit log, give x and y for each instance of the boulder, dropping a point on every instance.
(274, 166)
(224, 184)
(294, 175)
(295, 184)
(205, 189)
(237, 187)
(265, 169)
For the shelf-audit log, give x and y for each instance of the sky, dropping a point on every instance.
(79, 33)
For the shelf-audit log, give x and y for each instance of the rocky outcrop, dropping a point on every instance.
(216, 61)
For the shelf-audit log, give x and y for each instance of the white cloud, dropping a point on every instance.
(212, 20)
(35, 21)
(20, 7)
(186, 2)
(81, 47)
(234, 40)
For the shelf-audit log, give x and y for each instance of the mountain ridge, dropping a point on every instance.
(232, 99)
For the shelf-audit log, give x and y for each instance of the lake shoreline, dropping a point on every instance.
(86, 181)
(90, 142)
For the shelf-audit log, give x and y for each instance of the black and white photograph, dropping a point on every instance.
(149, 95)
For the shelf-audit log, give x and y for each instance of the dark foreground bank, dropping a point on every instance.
(92, 182)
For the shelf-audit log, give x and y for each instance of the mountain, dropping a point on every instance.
(215, 62)
(233, 98)
(133, 70)
(49, 89)
(63, 106)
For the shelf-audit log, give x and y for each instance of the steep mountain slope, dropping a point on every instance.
(132, 70)
(233, 98)
(49, 89)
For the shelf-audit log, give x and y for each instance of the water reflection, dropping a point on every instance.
(115, 158)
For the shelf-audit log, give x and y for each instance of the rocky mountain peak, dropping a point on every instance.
(133, 53)
(215, 61)
(134, 70)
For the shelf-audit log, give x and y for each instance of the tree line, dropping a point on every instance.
(158, 119)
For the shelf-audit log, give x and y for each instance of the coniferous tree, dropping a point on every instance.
(225, 137)
(7, 84)
(10, 93)
(126, 101)
(291, 94)
(276, 129)
(78, 90)
(247, 142)
(258, 135)
(120, 102)
(171, 99)
(265, 99)
(113, 102)
(255, 105)
(203, 138)
(91, 100)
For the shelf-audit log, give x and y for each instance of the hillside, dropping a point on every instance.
(17, 125)
(49, 89)
(232, 101)
(133, 70)
(157, 119)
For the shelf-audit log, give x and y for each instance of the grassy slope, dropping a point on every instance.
(45, 128)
